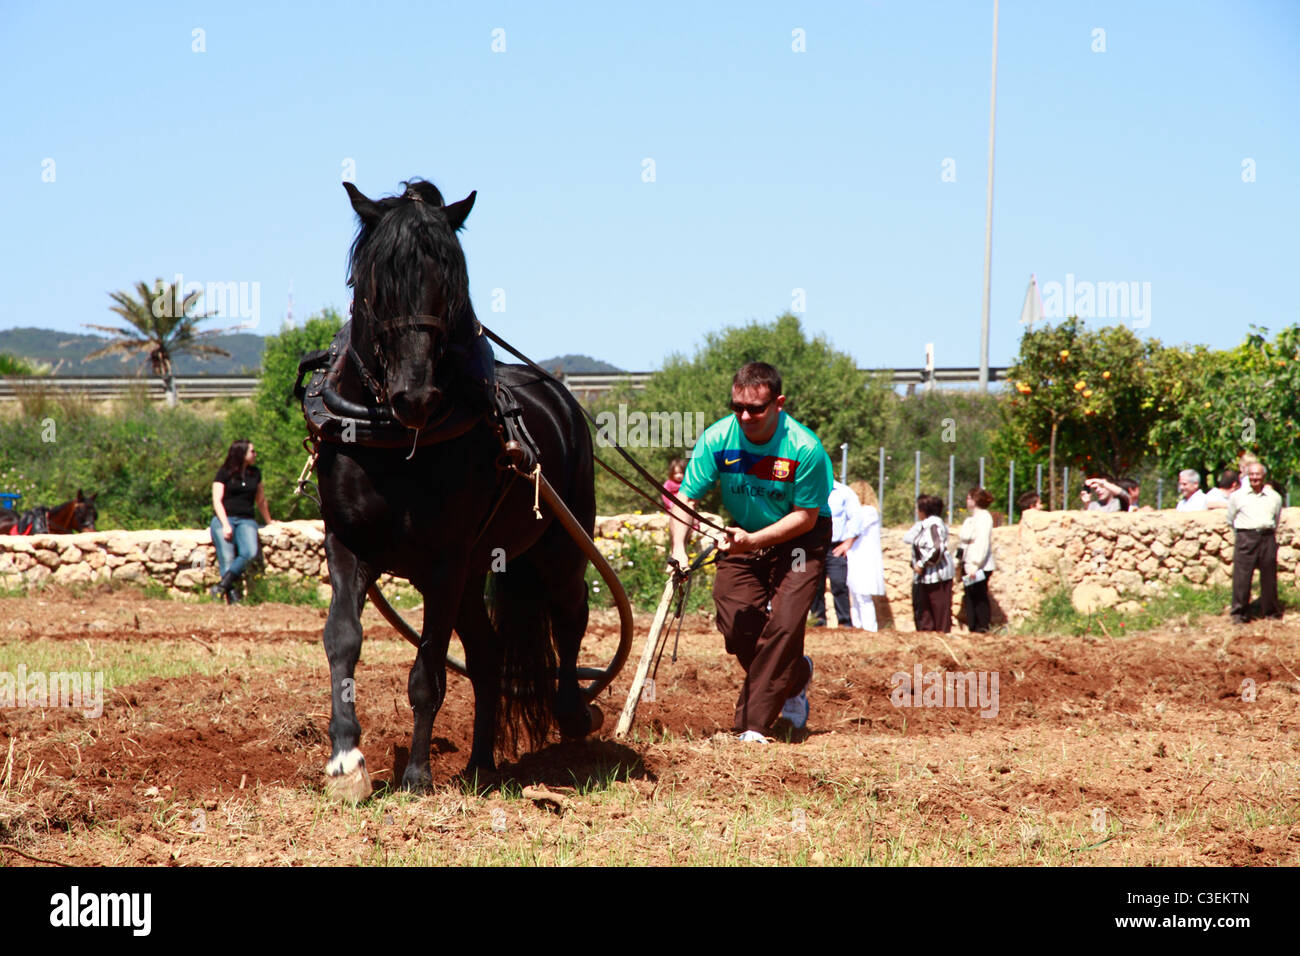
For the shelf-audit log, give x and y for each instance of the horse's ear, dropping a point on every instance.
(367, 209)
(458, 212)
(79, 498)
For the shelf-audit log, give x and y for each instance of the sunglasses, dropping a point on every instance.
(754, 410)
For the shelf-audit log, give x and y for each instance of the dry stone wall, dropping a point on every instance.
(182, 561)
(1107, 560)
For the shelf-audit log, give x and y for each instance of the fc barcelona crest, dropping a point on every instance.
(781, 469)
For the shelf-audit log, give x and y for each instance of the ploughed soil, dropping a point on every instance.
(1177, 746)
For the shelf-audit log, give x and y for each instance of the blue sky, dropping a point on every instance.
(774, 170)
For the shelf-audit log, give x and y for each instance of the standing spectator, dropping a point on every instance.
(918, 599)
(672, 485)
(976, 538)
(866, 567)
(844, 519)
(1029, 501)
(1100, 493)
(1217, 497)
(1190, 495)
(1253, 513)
(1132, 490)
(775, 478)
(932, 565)
(236, 489)
(1243, 468)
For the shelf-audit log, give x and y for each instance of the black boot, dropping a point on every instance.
(224, 588)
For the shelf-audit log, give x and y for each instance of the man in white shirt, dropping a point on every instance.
(1191, 497)
(1254, 512)
(844, 507)
(1218, 496)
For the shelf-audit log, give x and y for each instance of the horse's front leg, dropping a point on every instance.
(483, 654)
(427, 685)
(345, 775)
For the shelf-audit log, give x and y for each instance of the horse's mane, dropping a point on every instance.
(389, 258)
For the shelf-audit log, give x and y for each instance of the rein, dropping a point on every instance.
(617, 447)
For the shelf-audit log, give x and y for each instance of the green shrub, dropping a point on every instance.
(641, 566)
(150, 467)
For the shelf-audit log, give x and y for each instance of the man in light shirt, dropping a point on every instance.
(1191, 497)
(1217, 497)
(844, 507)
(1254, 512)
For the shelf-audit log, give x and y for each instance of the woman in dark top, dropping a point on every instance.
(236, 490)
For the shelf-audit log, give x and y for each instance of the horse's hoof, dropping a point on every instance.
(476, 765)
(346, 778)
(416, 781)
(597, 718)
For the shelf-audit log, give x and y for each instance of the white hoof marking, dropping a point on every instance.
(346, 777)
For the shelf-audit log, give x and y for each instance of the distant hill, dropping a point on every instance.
(575, 365)
(46, 345)
(245, 348)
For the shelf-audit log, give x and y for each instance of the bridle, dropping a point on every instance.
(379, 390)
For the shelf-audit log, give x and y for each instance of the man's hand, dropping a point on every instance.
(738, 541)
(228, 532)
(843, 548)
(679, 555)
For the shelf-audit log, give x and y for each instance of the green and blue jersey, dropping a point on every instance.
(761, 484)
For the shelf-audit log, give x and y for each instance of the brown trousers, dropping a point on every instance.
(1254, 549)
(936, 607)
(768, 643)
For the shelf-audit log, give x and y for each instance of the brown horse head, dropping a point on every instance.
(73, 517)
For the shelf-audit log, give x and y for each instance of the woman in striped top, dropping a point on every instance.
(932, 565)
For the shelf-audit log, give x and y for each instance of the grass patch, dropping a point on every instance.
(278, 589)
(1182, 604)
(128, 662)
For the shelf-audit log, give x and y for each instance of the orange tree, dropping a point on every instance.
(1086, 397)
(1213, 406)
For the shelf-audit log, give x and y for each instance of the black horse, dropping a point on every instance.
(32, 521)
(441, 511)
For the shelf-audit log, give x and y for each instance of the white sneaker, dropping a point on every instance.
(751, 737)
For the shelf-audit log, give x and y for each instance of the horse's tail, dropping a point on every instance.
(517, 606)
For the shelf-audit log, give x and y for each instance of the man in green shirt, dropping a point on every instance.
(775, 478)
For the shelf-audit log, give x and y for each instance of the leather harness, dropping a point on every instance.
(474, 395)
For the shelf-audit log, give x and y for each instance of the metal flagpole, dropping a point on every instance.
(988, 214)
(880, 484)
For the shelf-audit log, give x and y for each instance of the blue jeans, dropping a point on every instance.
(233, 556)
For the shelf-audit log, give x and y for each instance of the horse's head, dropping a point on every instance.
(410, 295)
(73, 517)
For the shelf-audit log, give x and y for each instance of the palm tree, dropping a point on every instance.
(16, 365)
(158, 330)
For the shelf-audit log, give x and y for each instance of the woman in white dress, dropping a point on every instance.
(866, 577)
